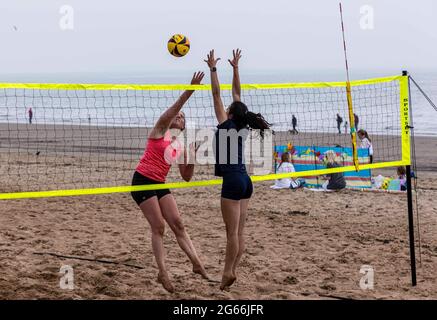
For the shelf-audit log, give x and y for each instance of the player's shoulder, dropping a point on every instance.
(227, 124)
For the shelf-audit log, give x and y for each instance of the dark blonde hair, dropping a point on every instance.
(364, 133)
(402, 171)
(285, 157)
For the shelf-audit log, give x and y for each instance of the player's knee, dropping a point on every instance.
(159, 229)
(241, 245)
(232, 235)
(178, 227)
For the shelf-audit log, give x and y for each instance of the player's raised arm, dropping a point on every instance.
(163, 124)
(218, 103)
(236, 87)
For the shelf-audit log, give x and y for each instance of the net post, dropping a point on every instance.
(411, 227)
(411, 218)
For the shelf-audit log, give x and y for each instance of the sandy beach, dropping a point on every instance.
(300, 244)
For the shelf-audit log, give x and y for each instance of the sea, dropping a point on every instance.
(312, 107)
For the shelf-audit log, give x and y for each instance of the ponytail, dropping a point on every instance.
(257, 121)
(245, 118)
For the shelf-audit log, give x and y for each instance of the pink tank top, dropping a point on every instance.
(158, 157)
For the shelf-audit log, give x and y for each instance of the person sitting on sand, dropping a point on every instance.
(286, 166)
(159, 206)
(237, 186)
(335, 181)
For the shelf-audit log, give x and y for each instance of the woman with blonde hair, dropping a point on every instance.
(159, 206)
(335, 181)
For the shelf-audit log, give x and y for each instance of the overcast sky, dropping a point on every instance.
(130, 36)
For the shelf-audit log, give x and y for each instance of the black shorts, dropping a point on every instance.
(236, 186)
(140, 196)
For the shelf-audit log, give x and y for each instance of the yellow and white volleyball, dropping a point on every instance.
(178, 45)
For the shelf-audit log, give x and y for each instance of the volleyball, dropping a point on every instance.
(178, 45)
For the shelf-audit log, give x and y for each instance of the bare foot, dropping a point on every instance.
(165, 281)
(201, 270)
(227, 281)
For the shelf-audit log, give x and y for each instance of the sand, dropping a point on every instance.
(300, 244)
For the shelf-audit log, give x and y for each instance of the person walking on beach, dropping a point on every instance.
(339, 121)
(159, 206)
(294, 123)
(30, 112)
(237, 186)
(356, 120)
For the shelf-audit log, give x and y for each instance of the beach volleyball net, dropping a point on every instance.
(87, 139)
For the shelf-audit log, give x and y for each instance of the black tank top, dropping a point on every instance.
(229, 140)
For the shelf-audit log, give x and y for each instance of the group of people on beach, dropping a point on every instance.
(339, 121)
(334, 181)
(365, 141)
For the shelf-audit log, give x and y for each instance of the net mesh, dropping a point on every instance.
(94, 138)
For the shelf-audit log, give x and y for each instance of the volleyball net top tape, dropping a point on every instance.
(83, 139)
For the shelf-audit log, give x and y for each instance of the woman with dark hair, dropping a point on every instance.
(366, 143)
(237, 187)
(159, 206)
